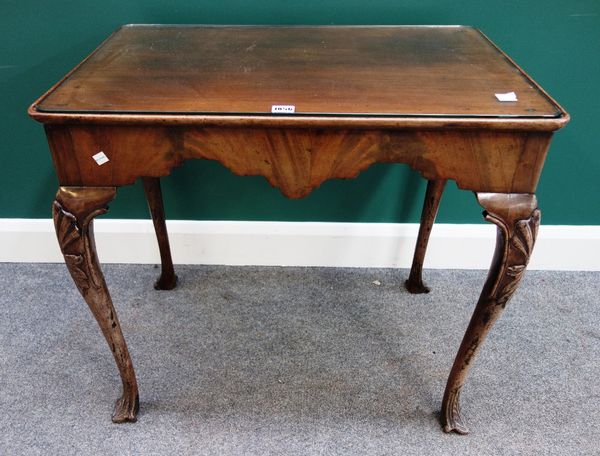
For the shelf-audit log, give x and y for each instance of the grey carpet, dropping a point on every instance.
(286, 361)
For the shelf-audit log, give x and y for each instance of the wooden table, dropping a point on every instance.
(299, 105)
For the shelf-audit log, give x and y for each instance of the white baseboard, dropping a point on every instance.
(302, 244)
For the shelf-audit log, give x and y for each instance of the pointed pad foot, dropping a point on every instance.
(457, 427)
(416, 287)
(126, 409)
(166, 282)
(452, 421)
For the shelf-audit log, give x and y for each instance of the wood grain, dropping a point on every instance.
(73, 211)
(297, 161)
(517, 218)
(414, 284)
(168, 278)
(343, 70)
(152, 97)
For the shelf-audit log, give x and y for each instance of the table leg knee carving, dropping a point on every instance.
(517, 218)
(73, 211)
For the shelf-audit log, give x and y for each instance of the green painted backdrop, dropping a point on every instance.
(556, 41)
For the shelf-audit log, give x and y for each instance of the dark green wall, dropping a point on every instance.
(556, 41)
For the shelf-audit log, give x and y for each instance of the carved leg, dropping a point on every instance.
(74, 210)
(517, 218)
(167, 279)
(435, 188)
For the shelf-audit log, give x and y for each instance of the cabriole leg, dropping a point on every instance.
(517, 218)
(74, 210)
(435, 188)
(167, 279)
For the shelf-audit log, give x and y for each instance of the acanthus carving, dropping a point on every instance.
(73, 211)
(75, 246)
(517, 218)
(520, 238)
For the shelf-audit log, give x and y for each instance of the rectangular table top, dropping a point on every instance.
(404, 71)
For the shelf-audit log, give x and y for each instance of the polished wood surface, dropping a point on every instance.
(433, 195)
(74, 210)
(167, 279)
(154, 96)
(298, 160)
(385, 70)
(517, 218)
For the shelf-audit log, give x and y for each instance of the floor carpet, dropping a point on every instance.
(297, 361)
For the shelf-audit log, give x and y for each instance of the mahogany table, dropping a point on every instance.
(299, 105)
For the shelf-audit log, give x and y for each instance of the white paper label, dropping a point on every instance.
(100, 158)
(510, 96)
(283, 109)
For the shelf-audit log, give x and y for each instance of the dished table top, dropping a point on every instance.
(372, 71)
